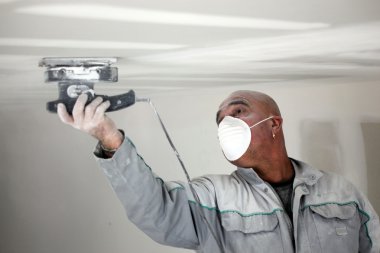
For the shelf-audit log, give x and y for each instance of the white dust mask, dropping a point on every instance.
(235, 136)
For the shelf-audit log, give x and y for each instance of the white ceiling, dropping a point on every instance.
(172, 44)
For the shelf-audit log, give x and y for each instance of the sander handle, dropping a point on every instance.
(118, 102)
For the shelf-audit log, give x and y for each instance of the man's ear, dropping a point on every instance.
(276, 124)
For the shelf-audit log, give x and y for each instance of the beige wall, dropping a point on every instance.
(55, 199)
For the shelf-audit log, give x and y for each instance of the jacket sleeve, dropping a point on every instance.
(369, 237)
(159, 209)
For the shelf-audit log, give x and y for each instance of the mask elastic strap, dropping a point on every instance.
(261, 121)
(195, 196)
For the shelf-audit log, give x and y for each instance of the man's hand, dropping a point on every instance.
(91, 119)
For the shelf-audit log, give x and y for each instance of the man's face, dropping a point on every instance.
(241, 105)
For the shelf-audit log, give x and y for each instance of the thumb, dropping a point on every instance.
(64, 115)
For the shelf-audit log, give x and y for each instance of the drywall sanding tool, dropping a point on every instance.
(76, 76)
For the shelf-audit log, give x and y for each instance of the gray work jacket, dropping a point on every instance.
(243, 211)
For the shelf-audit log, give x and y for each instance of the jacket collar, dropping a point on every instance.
(304, 174)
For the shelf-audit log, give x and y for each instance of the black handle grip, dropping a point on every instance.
(118, 102)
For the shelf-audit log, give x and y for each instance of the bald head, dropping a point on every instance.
(263, 103)
(267, 103)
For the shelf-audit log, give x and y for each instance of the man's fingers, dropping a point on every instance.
(101, 109)
(90, 119)
(78, 110)
(91, 108)
(64, 115)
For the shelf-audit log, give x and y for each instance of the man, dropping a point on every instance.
(271, 203)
